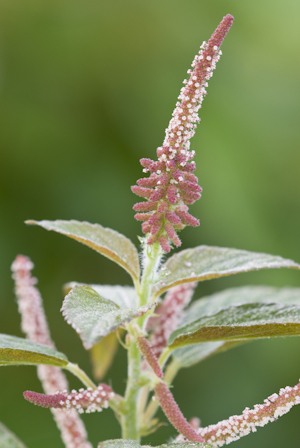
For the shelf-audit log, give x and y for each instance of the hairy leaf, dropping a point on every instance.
(107, 242)
(19, 351)
(206, 306)
(241, 323)
(93, 317)
(123, 296)
(9, 439)
(209, 305)
(205, 263)
(121, 443)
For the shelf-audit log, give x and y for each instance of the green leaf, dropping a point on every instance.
(192, 354)
(209, 305)
(205, 263)
(123, 296)
(107, 242)
(244, 322)
(9, 439)
(120, 443)
(93, 317)
(19, 351)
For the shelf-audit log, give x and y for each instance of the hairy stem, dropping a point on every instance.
(129, 419)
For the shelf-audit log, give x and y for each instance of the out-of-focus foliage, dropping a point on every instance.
(87, 88)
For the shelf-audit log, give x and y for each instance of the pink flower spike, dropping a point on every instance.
(171, 180)
(149, 356)
(86, 400)
(169, 315)
(238, 426)
(174, 414)
(34, 325)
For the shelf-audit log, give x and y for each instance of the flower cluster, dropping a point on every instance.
(174, 414)
(237, 426)
(172, 186)
(169, 314)
(34, 325)
(85, 400)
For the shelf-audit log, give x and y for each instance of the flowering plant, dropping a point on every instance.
(163, 333)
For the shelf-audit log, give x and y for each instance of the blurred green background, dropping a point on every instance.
(87, 89)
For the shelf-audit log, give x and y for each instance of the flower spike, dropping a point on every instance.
(171, 181)
(34, 325)
(237, 426)
(85, 400)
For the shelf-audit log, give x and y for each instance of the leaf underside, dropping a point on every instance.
(192, 354)
(93, 317)
(244, 322)
(19, 351)
(9, 439)
(205, 263)
(107, 242)
(120, 443)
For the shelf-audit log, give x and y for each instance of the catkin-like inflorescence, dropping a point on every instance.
(85, 400)
(174, 414)
(237, 426)
(172, 187)
(149, 355)
(168, 315)
(34, 325)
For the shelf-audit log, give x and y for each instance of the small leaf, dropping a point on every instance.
(102, 355)
(121, 443)
(205, 263)
(93, 317)
(107, 242)
(244, 322)
(8, 439)
(123, 296)
(19, 351)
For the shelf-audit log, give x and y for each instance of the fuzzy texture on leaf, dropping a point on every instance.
(171, 186)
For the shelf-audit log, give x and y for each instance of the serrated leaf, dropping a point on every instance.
(120, 443)
(123, 296)
(244, 322)
(9, 439)
(102, 355)
(19, 351)
(93, 317)
(107, 242)
(205, 263)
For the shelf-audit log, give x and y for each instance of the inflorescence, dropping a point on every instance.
(172, 186)
(85, 400)
(237, 426)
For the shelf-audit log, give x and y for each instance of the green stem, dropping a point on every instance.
(75, 369)
(152, 255)
(130, 420)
